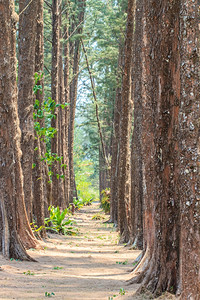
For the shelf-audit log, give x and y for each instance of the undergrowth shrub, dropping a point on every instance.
(105, 201)
(59, 222)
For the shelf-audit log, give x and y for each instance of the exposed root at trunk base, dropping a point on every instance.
(124, 237)
(152, 278)
(17, 250)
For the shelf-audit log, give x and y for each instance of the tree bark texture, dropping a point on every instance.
(75, 51)
(161, 95)
(55, 95)
(125, 130)
(27, 35)
(189, 137)
(61, 119)
(39, 182)
(170, 141)
(11, 178)
(67, 100)
(136, 147)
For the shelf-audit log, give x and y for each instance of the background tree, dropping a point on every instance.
(124, 183)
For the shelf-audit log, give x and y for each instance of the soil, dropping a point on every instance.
(90, 265)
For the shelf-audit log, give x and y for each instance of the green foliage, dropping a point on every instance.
(86, 181)
(105, 201)
(122, 262)
(34, 227)
(28, 273)
(122, 292)
(59, 222)
(98, 217)
(49, 294)
(57, 268)
(46, 111)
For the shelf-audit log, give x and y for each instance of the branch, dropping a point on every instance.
(48, 4)
(25, 7)
(72, 31)
(96, 105)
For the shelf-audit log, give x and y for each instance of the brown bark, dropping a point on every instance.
(38, 171)
(55, 95)
(125, 130)
(115, 145)
(189, 179)
(166, 183)
(136, 146)
(27, 30)
(11, 178)
(75, 51)
(67, 100)
(61, 119)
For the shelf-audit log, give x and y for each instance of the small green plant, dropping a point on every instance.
(28, 273)
(122, 292)
(122, 262)
(98, 217)
(58, 222)
(57, 268)
(105, 201)
(12, 259)
(49, 294)
(111, 298)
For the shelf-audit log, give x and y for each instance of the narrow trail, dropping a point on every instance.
(90, 265)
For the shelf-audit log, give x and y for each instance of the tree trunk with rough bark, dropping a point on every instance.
(170, 148)
(55, 95)
(67, 100)
(11, 178)
(125, 131)
(189, 170)
(136, 147)
(61, 119)
(27, 35)
(39, 182)
(75, 51)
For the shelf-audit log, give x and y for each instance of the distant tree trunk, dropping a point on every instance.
(39, 182)
(61, 118)
(27, 30)
(189, 179)
(136, 147)
(125, 130)
(55, 95)
(73, 95)
(115, 145)
(11, 178)
(103, 172)
(67, 100)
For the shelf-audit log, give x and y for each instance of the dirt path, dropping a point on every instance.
(77, 267)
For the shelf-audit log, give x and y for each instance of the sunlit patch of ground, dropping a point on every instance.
(90, 265)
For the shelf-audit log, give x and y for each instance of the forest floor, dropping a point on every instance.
(90, 265)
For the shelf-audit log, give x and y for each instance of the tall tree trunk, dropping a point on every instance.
(136, 147)
(11, 178)
(55, 95)
(115, 144)
(61, 118)
(67, 100)
(161, 97)
(27, 29)
(189, 139)
(125, 130)
(73, 96)
(39, 182)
